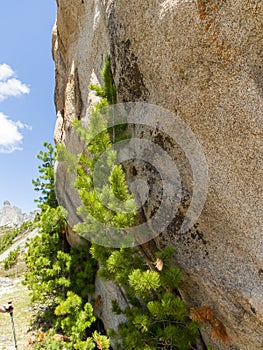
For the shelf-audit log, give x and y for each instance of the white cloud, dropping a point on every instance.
(10, 135)
(10, 132)
(12, 87)
(6, 71)
(9, 85)
(21, 125)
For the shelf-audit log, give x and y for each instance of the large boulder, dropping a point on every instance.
(201, 61)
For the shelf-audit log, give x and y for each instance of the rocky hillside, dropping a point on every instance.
(10, 215)
(202, 62)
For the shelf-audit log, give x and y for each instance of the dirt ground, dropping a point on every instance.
(12, 289)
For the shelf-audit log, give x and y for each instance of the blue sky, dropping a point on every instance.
(27, 112)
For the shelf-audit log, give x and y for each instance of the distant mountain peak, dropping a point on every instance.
(10, 215)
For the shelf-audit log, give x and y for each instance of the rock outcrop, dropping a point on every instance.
(202, 61)
(11, 216)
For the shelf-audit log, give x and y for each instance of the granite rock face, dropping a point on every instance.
(202, 61)
(11, 216)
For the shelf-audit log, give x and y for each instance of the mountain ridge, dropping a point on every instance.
(11, 215)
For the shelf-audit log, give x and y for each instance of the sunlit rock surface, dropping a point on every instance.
(202, 61)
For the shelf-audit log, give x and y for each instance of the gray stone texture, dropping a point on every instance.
(201, 60)
(11, 216)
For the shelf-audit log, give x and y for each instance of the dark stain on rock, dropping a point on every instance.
(253, 309)
(78, 97)
(257, 76)
(130, 85)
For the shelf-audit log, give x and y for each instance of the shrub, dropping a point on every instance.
(11, 260)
